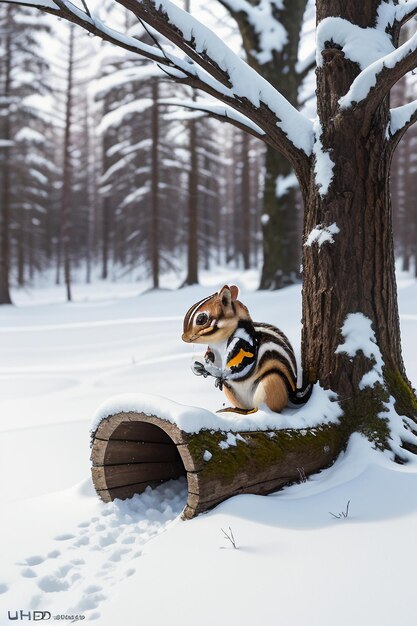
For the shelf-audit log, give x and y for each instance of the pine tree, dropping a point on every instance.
(27, 168)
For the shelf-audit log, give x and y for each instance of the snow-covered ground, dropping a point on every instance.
(135, 562)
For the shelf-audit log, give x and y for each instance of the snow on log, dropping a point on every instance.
(134, 449)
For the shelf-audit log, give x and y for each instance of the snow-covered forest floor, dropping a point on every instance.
(133, 562)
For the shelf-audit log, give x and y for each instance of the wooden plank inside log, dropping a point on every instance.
(118, 452)
(140, 431)
(128, 474)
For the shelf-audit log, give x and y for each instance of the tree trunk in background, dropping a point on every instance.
(192, 228)
(66, 177)
(355, 273)
(246, 203)
(5, 172)
(20, 241)
(90, 194)
(154, 217)
(279, 223)
(106, 238)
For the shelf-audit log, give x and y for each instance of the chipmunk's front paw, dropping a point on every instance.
(199, 370)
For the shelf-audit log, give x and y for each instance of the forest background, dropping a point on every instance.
(106, 174)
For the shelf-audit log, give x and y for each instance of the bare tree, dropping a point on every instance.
(342, 164)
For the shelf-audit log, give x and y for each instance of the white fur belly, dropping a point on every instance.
(243, 392)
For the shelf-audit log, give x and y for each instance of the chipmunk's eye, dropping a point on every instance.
(202, 318)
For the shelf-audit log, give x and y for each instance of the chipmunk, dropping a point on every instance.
(253, 363)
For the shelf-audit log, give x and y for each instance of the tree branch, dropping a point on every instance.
(374, 82)
(403, 13)
(71, 13)
(222, 113)
(217, 70)
(247, 91)
(401, 118)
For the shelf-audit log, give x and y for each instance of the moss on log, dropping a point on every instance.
(132, 450)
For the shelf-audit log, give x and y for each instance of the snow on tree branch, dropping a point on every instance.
(71, 13)
(401, 118)
(211, 52)
(375, 81)
(116, 117)
(271, 34)
(360, 45)
(223, 113)
(42, 4)
(207, 64)
(405, 11)
(127, 76)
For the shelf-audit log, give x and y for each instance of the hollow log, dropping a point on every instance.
(131, 450)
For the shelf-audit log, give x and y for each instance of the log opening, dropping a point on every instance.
(132, 454)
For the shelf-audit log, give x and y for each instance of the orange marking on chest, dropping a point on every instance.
(237, 360)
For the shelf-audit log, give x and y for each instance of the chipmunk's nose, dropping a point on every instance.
(185, 337)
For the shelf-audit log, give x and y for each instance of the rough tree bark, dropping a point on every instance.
(356, 273)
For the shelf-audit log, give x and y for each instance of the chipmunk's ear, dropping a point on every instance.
(225, 296)
(234, 291)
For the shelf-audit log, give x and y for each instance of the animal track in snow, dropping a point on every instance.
(35, 560)
(64, 537)
(100, 550)
(28, 572)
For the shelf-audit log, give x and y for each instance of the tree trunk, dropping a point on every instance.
(154, 217)
(192, 230)
(20, 244)
(281, 243)
(105, 238)
(355, 272)
(66, 177)
(5, 171)
(89, 193)
(246, 206)
(279, 223)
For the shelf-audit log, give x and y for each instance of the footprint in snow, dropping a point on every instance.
(64, 537)
(101, 549)
(35, 560)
